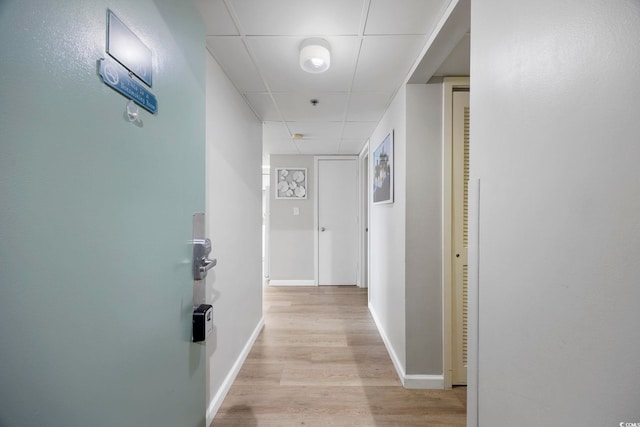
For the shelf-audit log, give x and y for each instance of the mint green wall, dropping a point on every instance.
(95, 220)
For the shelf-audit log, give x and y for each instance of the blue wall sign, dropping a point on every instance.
(116, 76)
(126, 48)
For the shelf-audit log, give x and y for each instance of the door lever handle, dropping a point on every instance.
(322, 228)
(201, 264)
(207, 264)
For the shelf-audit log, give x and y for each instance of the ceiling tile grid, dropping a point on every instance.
(217, 20)
(368, 106)
(298, 17)
(276, 138)
(263, 106)
(297, 106)
(278, 57)
(404, 16)
(385, 61)
(348, 146)
(373, 44)
(317, 130)
(358, 130)
(234, 59)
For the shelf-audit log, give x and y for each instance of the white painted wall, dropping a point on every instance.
(387, 240)
(234, 224)
(291, 237)
(406, 238)
(555, 133)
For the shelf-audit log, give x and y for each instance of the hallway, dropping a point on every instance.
(320, 361)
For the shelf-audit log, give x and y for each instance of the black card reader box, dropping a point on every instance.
(202, 322)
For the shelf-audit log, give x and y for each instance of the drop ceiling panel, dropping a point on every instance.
(280, 147)
(351, 146)
(399, 53)
(296, 107)
(236, 63)
(298, 17)
(367, 106)
(217, 20)
(358, 130)
(324, 147)
(263, 106)
(274, 130)
(276, 139)
(374, 43)
(317, 130)
(278, 58)
(404, 16)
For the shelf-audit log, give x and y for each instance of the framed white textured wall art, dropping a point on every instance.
(291, 183)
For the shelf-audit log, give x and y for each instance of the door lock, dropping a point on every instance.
(202, 264)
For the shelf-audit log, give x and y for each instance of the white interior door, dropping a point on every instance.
(337, 221)
(265, 232)
(365, 222)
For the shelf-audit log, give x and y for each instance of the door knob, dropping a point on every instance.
(322, 228)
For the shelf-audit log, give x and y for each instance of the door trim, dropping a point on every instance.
(316, 201)
(449, 85)
(363, 216)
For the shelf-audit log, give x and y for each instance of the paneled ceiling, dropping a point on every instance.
(374, 44)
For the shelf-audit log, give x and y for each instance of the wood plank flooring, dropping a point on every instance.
(320, 362)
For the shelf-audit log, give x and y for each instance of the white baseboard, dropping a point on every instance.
(394, 357)
(427, 382)
(217, 400)
(292, 283)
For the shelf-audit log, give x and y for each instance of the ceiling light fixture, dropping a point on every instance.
(315, 56)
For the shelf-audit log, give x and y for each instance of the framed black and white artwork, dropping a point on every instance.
(383, 171)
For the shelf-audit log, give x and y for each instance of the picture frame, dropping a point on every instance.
(382, 171)
(291, 183)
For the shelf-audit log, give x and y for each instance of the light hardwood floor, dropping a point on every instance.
(320, 362)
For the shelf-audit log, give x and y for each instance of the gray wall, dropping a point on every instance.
(555, 128)
(234, 224)
(424, 229)
(292, 236)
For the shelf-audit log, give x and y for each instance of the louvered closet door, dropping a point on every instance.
(460, 233)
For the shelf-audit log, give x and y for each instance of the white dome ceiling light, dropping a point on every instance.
(315, 56)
